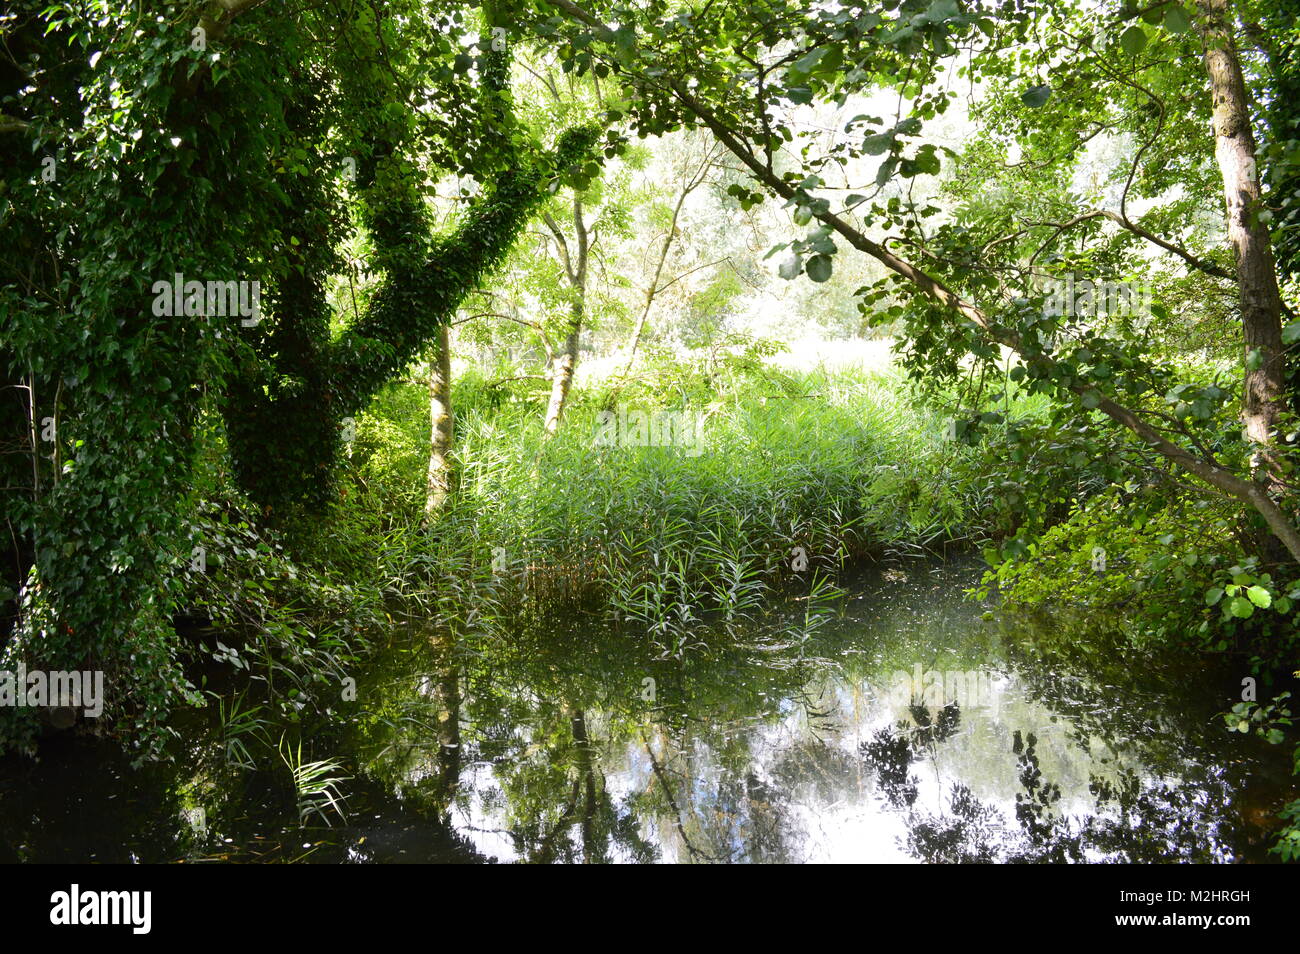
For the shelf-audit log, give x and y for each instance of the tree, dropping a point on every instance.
(747, 82)
(575, 270)
(236, 149)
(693, 173)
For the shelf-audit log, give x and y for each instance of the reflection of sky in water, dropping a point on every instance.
(758, 752)
(823, 798)
(1054, 761)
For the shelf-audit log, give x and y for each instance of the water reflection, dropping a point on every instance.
(580, 742)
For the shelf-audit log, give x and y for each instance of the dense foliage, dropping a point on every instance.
(368, 176)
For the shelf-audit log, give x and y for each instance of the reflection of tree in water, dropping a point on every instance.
(891, 752)
(723, 770)
(1175, 824)
(1130, 822)
(928, 733)
(702, 799)
(589, 824)
(739, 817)
(728, 809)
(1101, 688)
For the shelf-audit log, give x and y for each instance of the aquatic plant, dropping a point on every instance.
(315, 784)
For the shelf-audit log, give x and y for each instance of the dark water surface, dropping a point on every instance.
(793, 740)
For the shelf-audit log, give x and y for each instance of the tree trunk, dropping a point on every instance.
(1260, 301)
(653, 288)
(438, 484)
(562, 370)
(575, 267)
(691, 185)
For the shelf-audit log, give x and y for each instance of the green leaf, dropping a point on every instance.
(819, 268)
(1260, 597)
(806, 63)
(1241, 607)
(1177, 21)
(1036, 96)
(1133, 40)
(877, 143)
(886, 171)
(1213, 595)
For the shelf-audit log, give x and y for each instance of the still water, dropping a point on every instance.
(893, 723)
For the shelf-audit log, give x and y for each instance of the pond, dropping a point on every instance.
(897, 722)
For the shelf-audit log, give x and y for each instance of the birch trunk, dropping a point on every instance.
(438, 482)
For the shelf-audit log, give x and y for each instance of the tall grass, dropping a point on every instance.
(797, 475)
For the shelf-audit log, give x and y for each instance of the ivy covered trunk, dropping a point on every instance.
(246, 153)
